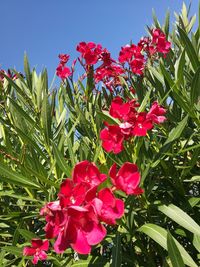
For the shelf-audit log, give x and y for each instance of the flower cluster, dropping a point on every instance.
(108, 70)
(77, 219)
(132, 123)
(62, 71)
(156, 44)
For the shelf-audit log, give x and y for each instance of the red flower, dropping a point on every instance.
(55, 218)
(87, 173)
(37, 250)
(90, 52)
(127, 179)
(108, 207)
(63, 58)
(71, 194)
(81, 231)
(156, 113)
(159, 39)
(63, 72)
(119, 109)
(141, 125)
(137, 65)
(112, 139)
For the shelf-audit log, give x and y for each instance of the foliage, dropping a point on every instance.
(45, 132)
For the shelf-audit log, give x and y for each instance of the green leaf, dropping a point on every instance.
(174, 253)
(116, 251)
(166, 25)
(189, 49)
(159, 235)
(195, 87)
(145, 101)
(27, 72)
(17, 88)
(196, 242)
(107, 117)
(27, 234)
(180, 217)
(46, 118)
(61, 161)
(179, 68)
(24, 114)
(177, 131)
(91, 262)
(13, 250)
(194, 179)
(15, 178)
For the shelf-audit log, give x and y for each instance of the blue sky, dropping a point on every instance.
(45, 28)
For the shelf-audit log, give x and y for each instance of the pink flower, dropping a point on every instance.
(137, 65)
(108, 207)
(156, 113)
(87, 173)
(142, 125)
(127, 179)
(112, 139)
(119, 109)
(55, 218)
(63, 58)
(159, 39)
(37, 250)
(90, 52)
(63, 72)
(71, 194)
(81, 231)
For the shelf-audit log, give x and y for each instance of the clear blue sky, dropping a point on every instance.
(45, 28)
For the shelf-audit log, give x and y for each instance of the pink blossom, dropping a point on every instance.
(63, 72)
(37, 250)
(112, 139)
(87, 173)
(126, 179)
(156, 113)
(142, 125)
(108, 207)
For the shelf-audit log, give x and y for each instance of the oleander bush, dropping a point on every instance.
(103, 169)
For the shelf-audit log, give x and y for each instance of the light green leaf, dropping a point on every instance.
(177, 131)
(180, 217)
(46, 118)
(107, 117)
(16, 178)
(189, 49)
(196, 242)
(159, 235)
(27, 72)
(195, 87)
(194, 179)
(174, 253)
(61, 161)
(13, 250)
(27, 234)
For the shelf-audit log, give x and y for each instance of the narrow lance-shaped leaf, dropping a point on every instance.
(180, 217)
(195, 87)
(177, 131)
(174, 253)
(116, 251)
(15, 178)
(189, 49)
(61, 161)
(159, 235)
(27, 72)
